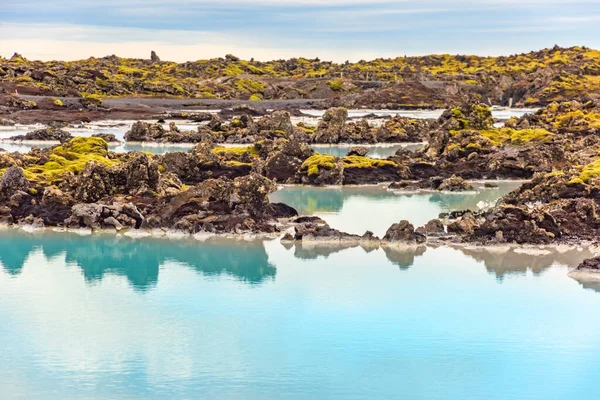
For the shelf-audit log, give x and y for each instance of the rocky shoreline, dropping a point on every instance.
(218, 187)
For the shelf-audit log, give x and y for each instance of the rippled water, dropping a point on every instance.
(356, 209)
(114, 318)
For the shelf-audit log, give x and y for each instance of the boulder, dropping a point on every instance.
(154, 57)
(403, 232)
(464, 225)
(455, 184)
(322, 169)
(315, 229)
(13, 181)
(435, 227)
(358, 151)
(591, 265)
(107, 137)
(144, 132)
(517, 225)
(98, 216)
(94, 182)
(278, 121)
(55, 196)
(48, 134)
(331, 127)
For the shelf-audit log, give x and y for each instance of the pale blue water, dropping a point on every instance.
(356, 209)
(113, 318)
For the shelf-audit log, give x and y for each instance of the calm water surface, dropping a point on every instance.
(358, 209)
(114, 318)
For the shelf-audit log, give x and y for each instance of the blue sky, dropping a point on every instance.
(270, 29)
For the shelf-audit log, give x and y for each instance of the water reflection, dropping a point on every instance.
(589, 284)
(403, 258)
(139, 260)
(503, 261)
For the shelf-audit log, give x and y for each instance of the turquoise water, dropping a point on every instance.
(114, 318)
(358, 209)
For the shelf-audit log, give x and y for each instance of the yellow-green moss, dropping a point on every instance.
(590, 171)
(234, 163)
(235, 150)
(530, 135)
(590, 119)
(498, 137)
(317, 161)
(236, 123)
(336, 85)
(454, 146)
(308, 129)
(255, 98)
(70, 157)
(57, 102)
(249, 86)
(366, 162)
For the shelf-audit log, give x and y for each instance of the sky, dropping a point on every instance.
(332, 30)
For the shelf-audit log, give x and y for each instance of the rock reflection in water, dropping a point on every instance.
(404, 258)
(502, 261)
(593, 285)
(139, 260)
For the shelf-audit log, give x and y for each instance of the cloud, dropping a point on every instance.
(268, 29)
(70, 42)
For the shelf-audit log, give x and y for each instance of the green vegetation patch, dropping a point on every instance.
(336, 85)
(588, 172)
(243, 155)
(578, 118)
(314, 163)
(366, 162)
(499, 137)
(70, 157)
(249, 86)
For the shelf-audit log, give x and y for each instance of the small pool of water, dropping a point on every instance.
(358, 209)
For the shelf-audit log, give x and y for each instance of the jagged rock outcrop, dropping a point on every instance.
(47, 134)
(404, 232)
(435, 227)
(135, 176)
(591, 265)
(315, 229)
(102, 216)
(107, 137)
(277, 122)
(154, 57)
(13, 181)
(331, 126)
(358, 151)
(218, 205)
(455, 184)
(284, 159)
